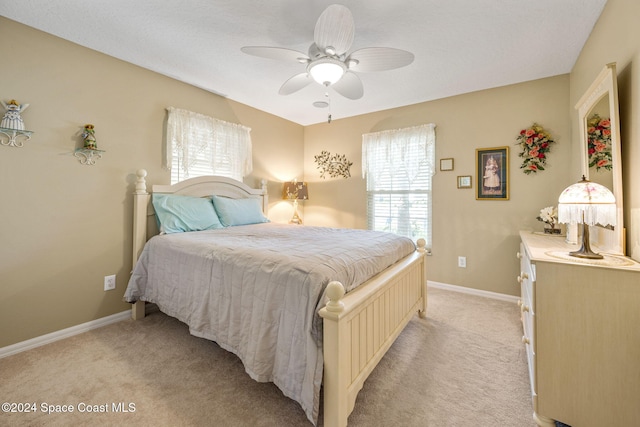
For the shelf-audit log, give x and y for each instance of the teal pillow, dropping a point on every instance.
(177, 214)
(238, 211)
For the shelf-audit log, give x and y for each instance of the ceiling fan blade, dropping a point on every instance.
(379, 59)
(279, 53)
(349, 86)
(295, 83)
(334, 29)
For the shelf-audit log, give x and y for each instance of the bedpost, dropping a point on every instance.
(422, 248)
(335, 340)
(265, 196)
(140, 205)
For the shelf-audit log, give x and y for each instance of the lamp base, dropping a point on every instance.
(585, 251)
(296, 218)
(586, 254)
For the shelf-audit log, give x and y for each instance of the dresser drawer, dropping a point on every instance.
(526, 279)
(528, 341)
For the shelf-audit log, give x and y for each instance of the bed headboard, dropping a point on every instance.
(204, 186)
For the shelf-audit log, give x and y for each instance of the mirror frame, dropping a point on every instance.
(606, 84)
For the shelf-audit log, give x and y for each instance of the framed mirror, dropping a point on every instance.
(600, 151)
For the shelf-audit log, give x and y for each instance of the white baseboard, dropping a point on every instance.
(62, 334)
(472, 291)
(98, 323)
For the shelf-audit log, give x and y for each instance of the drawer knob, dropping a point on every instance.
(518, 255)
(524, 308)
(525, 340)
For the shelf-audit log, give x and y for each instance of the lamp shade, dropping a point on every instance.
(294, 190)
(587, 202)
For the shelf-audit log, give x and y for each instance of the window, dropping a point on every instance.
(398, 166)
(199, 145)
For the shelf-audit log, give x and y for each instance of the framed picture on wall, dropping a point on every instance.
(446, 164)
(464, 181)
(492, 173)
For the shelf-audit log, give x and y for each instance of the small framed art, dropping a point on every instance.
(492, 173)
(464, 181)
(446, 164)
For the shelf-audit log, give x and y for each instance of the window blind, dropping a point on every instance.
(200, 145)
(398, 166)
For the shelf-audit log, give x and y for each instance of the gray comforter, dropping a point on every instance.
(256, 291)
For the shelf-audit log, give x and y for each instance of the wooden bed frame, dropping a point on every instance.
(359, 327)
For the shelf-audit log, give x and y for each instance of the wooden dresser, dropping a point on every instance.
(581, 322)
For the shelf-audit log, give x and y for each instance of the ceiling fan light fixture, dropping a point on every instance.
(329, 62)
(326, 71)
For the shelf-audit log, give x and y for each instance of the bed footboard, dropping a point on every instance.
(360, 327)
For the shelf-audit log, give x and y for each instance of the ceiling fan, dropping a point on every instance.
(328, 61)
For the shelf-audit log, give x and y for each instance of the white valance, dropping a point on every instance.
(404, 149)
(189, 134)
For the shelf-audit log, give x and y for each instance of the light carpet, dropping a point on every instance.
(464, 365)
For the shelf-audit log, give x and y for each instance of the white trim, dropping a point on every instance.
(63, 333)
(472, 291)
(124, 315)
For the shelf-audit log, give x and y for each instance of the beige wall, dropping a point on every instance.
(616, 38)
(485, 232)
(64, 225)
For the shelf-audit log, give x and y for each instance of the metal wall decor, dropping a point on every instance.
(334, 165)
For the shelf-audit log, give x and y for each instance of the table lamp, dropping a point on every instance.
(587, 203)
(294, 190)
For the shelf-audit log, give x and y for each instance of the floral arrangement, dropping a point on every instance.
(599, 140)
(549, 215)
(535, 143)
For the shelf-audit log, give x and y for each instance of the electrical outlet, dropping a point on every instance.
(462, 261)
(109, 282)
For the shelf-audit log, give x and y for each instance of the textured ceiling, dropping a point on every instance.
(460, 46)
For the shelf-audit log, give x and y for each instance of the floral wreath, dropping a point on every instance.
(535, 143)
(599, 139)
